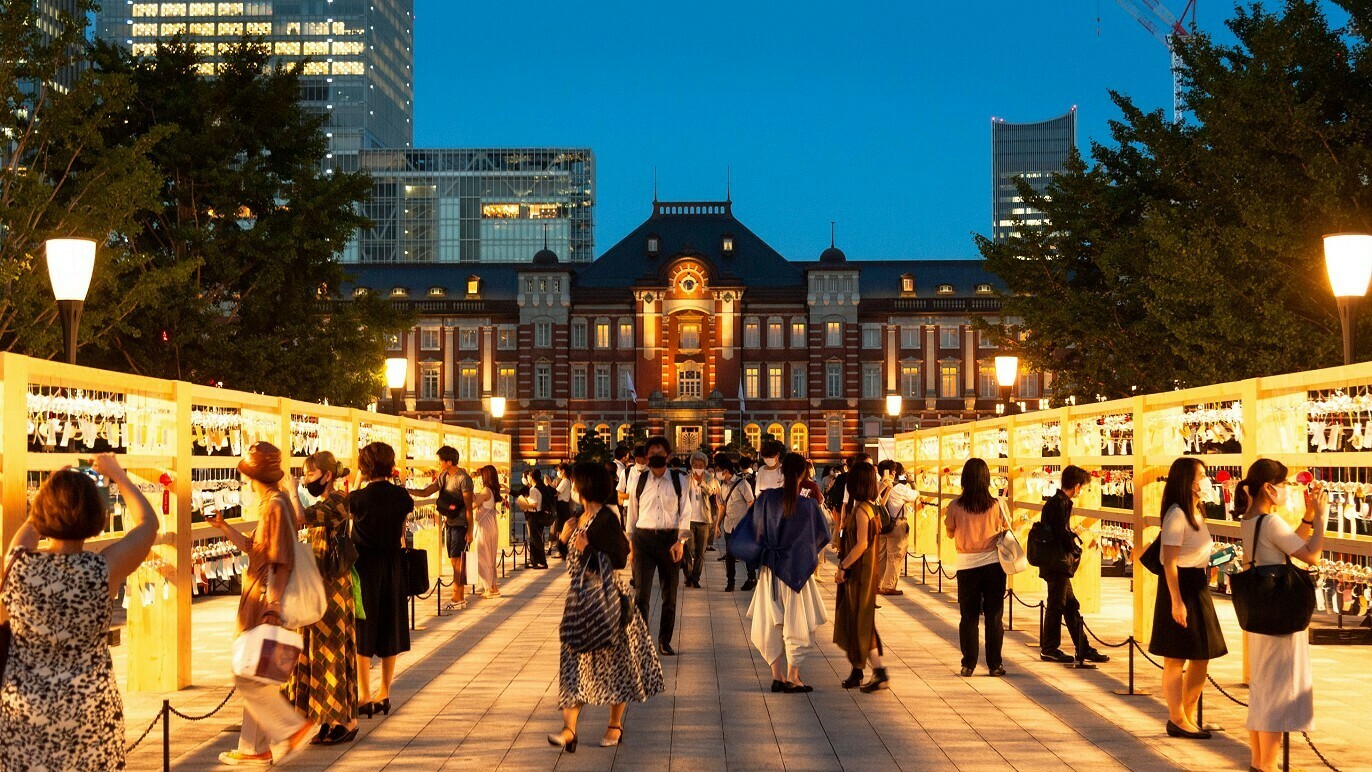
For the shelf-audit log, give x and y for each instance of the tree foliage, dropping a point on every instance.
(1191, 253)
(219, 230)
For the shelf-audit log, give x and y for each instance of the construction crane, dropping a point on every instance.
(1168, 29)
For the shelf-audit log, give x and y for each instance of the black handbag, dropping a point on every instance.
(416, 571)
(1272, 600)
(596, 610)
(1045, 551)
(1151, 558)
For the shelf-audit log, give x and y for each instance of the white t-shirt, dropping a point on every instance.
(535, 499)
(1276, 542)
(564, 490)
(768, 479)
(1196, 545)
(736, 501)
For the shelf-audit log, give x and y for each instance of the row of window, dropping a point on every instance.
(469, 338)
(599, 379)
(581, 334)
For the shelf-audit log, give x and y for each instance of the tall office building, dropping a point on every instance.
(1034, 151)
(359, 56)
(482, 205)
(48, 21)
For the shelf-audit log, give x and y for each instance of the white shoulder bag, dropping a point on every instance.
(304, 601)
(1008, 549)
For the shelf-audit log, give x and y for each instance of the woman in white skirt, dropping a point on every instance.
(487, 541)
(787, 607)
(1281, 685)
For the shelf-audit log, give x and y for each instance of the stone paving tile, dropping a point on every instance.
(479, 693)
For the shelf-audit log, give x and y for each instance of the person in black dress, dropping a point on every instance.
(379, 511)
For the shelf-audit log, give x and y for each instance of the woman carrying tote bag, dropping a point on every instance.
(975, 523)
(1281, 683)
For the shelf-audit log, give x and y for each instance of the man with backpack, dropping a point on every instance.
(454, 488)
(659, 527)
(735, 498)
(1057, 550)
(895, 494)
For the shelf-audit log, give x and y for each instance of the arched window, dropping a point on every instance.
(578, 430)
(604, 431)
(800, 438)
(753, 433)
(777, 432)
(623, 433)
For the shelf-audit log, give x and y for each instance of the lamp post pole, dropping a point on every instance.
(1348, 260)
(1007, 372)
(70, 264)
(396, 370)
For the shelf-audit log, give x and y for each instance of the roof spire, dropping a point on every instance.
(831, 233)
(545, 235)
(654, 184)
(729, 183)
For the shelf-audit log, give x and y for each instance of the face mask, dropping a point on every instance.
(658, 462)
(698, 472)
(317, 487)
(640, 467)
(771, 462)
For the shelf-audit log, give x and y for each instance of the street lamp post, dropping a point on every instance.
(1007, 372)
(1348, 259)
(498, 412)
(70, 264)
(894, 404)
(396, 370)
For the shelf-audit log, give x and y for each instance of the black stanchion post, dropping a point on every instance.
(1286, 751)
(411, 612)
(1010, 594)
(1133, 690)
(166, 735)
(1131, 650)
(438, 597)
(940, 576)
(1200, 708)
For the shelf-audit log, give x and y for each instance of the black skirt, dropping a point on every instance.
(1202, 637)
(386, 630)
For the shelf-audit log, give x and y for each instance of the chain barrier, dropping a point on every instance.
(1317, 753)
(145, 734)
(218, 708)
(1011, 594)
(164, 716)
(1126, 642)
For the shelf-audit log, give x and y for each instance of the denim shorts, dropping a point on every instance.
(455, 536)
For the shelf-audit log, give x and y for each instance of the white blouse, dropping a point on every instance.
(1196, 544)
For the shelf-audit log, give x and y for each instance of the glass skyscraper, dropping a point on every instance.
(1034, 151)
(481, 205)
(359, 56)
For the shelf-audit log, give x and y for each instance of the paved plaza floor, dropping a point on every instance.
(479, 692)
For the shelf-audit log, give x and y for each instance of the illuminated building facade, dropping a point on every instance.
(1034, 151)
(359, 56)
(482, 205)
(48, 19)
(692, 326)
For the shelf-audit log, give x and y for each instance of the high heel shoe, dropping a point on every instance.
(558, 741)
(383, 707)
(367, 709)
(854, 679)
(620, 739)
(339, 735)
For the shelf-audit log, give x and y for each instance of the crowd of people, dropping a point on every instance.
(647, 521)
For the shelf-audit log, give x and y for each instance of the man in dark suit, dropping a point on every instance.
(1062, 603)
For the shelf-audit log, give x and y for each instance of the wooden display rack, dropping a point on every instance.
(1273, 425)
(162, 440)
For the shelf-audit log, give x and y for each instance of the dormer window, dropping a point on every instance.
(945, 289)
(728, 244)
(400, 292)
(907, 283)
(359, 291)
(473, 286)
(437, 292)
(984, 289)
(654, 245)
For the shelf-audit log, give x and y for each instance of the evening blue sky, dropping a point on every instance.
(874, 114)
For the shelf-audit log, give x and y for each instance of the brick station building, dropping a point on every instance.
(693, 327)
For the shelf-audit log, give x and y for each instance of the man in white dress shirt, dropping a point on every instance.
(896, 493)
(659, 527)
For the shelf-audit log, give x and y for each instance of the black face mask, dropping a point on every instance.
(317, 487)
(657, 462)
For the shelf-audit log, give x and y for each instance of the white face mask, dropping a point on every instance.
(640, 467)
(771, 462)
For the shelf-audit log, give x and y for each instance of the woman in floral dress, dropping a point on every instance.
(324, 685)
(628, 669)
